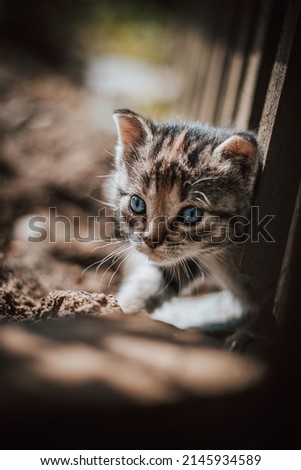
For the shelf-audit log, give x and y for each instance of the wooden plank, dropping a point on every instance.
(215, 70)
(246, 96)
(286, 294)
(228, 101)
(268, 58)
(195, 51)
(208, 15)
(279, 137)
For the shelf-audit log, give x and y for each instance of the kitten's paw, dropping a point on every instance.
(259, 336)
(246, 341)
(130, 304)
(210, 312)
(140, 289)
(133, 304)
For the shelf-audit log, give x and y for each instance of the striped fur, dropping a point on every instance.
(171, 166)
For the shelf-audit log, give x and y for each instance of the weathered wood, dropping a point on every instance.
(195, 53)
(279, 137)
(216, 64)
(193, 46)
(228, 102)
(246, 95)
(269, 52)
(286, 294)
(220, 55)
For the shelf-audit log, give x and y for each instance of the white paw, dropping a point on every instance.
(130, 304)
(197, 312)
(143, 283)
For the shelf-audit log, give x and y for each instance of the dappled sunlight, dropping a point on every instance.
(201, 369)
(148, 368)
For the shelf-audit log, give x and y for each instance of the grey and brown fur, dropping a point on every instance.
(170, 166)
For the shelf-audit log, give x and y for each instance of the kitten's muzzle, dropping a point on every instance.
(153, 242)
(156, 233)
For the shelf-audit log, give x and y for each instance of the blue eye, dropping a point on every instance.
(191, 215)
(137, 205)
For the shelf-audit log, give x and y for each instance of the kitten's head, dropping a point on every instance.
(179, 187)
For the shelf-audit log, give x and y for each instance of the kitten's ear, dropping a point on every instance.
(132, 128)
(240, 149)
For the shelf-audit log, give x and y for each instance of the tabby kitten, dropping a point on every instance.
(180, 190)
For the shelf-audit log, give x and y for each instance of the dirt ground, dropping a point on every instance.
(51, 155)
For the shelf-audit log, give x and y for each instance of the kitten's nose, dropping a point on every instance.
(152, 242)
(156, 233)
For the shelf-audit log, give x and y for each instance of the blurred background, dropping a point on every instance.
(199, 61)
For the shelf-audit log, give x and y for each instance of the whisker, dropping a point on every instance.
(171, 277)
(88, 267)
(188, 269)
(169, 280)
(205, 178)
(109, 153)
(221, 255)
(116, 258)
(103, 202)
(192, 275)
(204, 269)
(119, 250)
(182, 263)
(179, 277)
(117, 269)
(204, 196)
(107, 244)
(101, 262)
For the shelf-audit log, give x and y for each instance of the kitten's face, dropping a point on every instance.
(179, 186)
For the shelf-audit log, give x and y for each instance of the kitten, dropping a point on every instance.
(180, 189)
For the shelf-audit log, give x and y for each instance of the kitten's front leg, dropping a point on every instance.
(141, 286)
(208, 312)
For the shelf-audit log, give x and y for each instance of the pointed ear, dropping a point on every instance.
(240, 149)
(132, 128)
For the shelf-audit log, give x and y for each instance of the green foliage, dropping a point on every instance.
(124, 28)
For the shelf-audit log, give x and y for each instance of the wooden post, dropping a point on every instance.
(279, 138)
(246, 95)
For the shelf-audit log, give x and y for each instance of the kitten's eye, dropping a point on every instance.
(191, 215)
(137, 205)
